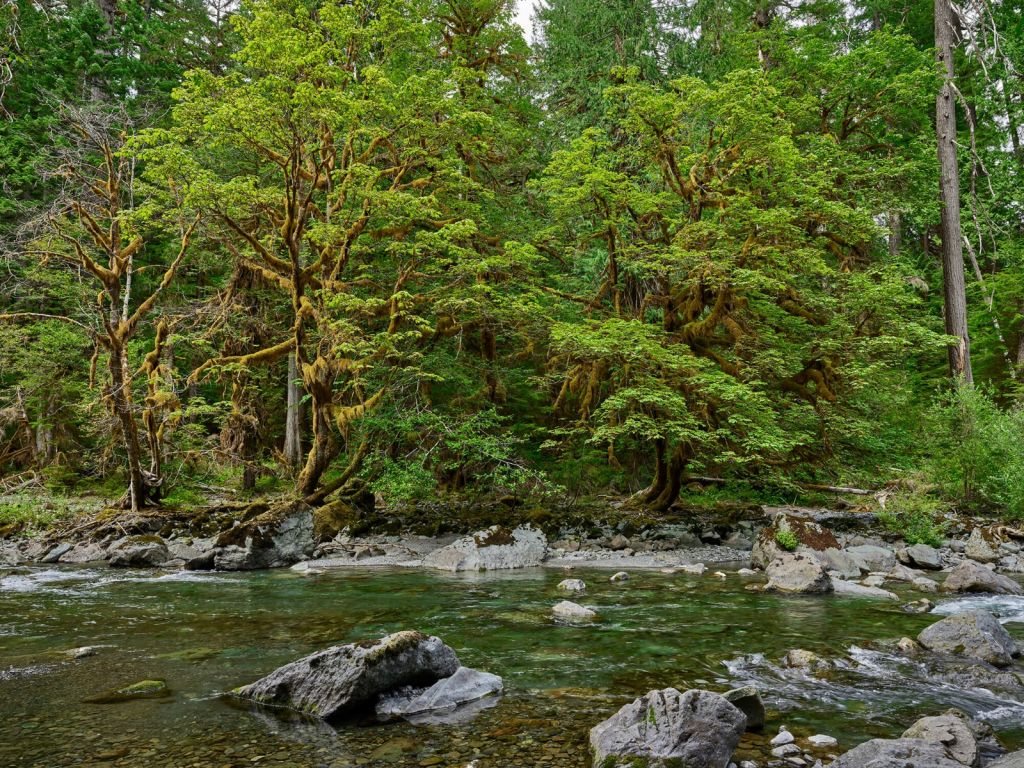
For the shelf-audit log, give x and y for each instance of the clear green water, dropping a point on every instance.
(206, 633)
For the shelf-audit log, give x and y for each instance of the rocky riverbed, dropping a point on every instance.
(837, 635)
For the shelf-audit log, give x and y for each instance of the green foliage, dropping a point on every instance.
(916, 518)
(977, 451)
(786, 539)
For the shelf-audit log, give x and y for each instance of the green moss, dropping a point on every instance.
(786, 539)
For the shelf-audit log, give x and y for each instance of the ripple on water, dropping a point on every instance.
(1007, 608)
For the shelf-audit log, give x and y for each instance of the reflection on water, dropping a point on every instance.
(206, 633)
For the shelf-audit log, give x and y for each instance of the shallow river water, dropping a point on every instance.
(207, 633)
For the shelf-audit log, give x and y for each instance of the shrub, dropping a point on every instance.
(786, 539)
(977, 454)
(916, 518)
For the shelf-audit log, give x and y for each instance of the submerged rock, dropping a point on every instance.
(572, 586)
(338, 680)
(972, 577)
(975, 634)
(144, 689)
(273, 539)
(797, 573)
(619, 576)
(696, 729)
(496, 548)
(573, 611)
(465, 686)
(139, 552)
(897, 753)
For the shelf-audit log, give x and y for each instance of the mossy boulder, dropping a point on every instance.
(807, 534)
(143, 689)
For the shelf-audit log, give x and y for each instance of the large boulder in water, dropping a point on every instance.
(494, 549)
(810, 536)
(897, 753)
(465, 686)
(696, 729)
(341, 679)
(139, 552)
(953, 731)
(975, 634)
(270, 538)
(797, 573)
(972, 577)
(871, 557)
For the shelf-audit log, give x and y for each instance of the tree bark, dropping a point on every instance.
(895, 233)
(293, 419)
(122, 405)
(954, 289)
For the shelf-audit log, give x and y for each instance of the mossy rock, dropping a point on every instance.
(194, 655)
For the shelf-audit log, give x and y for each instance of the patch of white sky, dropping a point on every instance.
(524, 17)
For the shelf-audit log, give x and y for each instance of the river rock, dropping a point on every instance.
(572, 586)
(983, 546)
(138, 552)
(952, 731)
(975, 634)
(841, 562)
(797, 573)
(822, 741)
(496, 548)
(810, 536)
(972, 577)
(871, 557)
(54, 554)
(464, 686)
(897, 753)
(900, 572)
(922, 605)
(748, 701)
(619, 576)
(1012, 760)
(340, 679)
(853, 589)
(278, 537)
(920, 556)
(85, 552)
(573, 611)
(698, 729)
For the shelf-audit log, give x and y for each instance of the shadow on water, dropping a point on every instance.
(208, 633)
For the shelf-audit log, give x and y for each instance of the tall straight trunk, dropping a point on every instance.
(954, 289)
(293, 419)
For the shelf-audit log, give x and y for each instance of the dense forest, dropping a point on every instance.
(399, 251)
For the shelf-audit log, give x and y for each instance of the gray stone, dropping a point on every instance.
(273, 540)
(54, 554)
(897, 753)
(138, 552)
(924, 605)
(900, 572)
(812, 537)
(982, 547)
(496, 548)
(619, 542)
(573, 611)
(821, 741)
(1012, 760)
(972, 577)
(782, 738)
(921, 556)
(798, 658)
(872, 558)
(341, 679)
(797, 573)
(748, 701)
(698, 729)
(85, 552)
(572, 586)
(975, 634)
(620, 576)
(841, 562)
(952, 731)
(925, 584)
(853, 589)
(464, 686)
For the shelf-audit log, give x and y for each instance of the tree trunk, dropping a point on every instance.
(895, 233)
(321, 453)
(954, 289)
(293, 420)
(120, 398)
(673, 481)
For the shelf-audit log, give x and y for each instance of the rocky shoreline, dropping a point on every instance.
(788, 551)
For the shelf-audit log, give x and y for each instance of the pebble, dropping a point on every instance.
(822, 740)
(784, 737)
(786, 750)
(620, 576)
